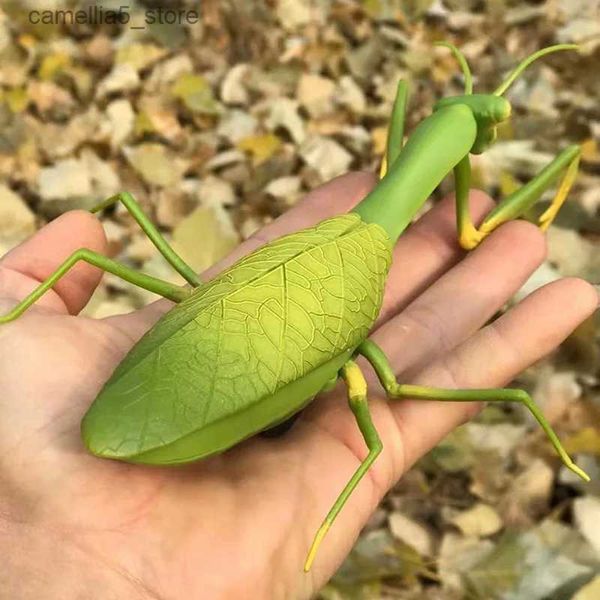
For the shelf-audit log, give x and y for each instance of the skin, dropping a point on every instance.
(239, 525)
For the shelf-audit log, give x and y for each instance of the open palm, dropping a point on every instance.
(238, 525)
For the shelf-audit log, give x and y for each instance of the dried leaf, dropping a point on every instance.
(379, 136)
(17, 222)
(284, 113)
(286, 188)
(499, 571)
(481, 520)
(215, 192)
(233, 88)
(139, 56)
(544, 567)
(236, 125)
(586, 440)
(351, 95)
(315, 93)
(591, 591)
(154, 163)
(204, 237)
(195, 92)
(52, 65)
(293, 13)
(411, 533)
(121, 119)
(122, 78)
(529, 493)
(157, 117)
(65, 179)
(586, 511)
(261, 147)
(590, 152)
(17, 99)
(326, 156)
(458, 555)
(377, 556)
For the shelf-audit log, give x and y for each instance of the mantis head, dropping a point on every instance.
(490, 109)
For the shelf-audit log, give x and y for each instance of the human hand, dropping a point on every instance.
(239, 525)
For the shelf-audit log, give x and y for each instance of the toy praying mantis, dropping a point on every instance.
(249, 349)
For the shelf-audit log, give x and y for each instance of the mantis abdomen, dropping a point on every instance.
(247, 349)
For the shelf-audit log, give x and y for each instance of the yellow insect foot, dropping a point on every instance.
(383, 168)
(547, 217)
(470, 238)
(561, 195)
(315, 546)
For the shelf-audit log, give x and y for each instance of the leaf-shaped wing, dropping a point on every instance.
(266, 322)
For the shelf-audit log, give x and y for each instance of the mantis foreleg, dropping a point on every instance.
(153, 234)
(375, 355)
(395, 135)
(357, 398)
(152, 284)
(514, 205)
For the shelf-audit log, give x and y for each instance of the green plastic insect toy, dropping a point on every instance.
(247, 350)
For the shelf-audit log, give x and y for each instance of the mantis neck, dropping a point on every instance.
(433, 150)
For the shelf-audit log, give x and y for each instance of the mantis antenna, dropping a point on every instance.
(526, 62)
(464, 65)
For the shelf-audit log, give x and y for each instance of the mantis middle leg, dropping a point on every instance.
(152, 284)
(517, 203)
(375, 355)
(357, 398)
(153, 234)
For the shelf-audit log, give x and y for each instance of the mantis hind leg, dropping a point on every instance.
(357, 398)
(517, 203)
(163, 288)
(395, 135)
(153, 234)
(375, 355)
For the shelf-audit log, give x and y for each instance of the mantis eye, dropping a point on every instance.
(500, 109)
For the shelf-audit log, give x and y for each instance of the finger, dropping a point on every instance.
(492, 358)
(337, 196)
(452, 308)
(463, 299)
(329, 443)
(427, 250)
(33, 261)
